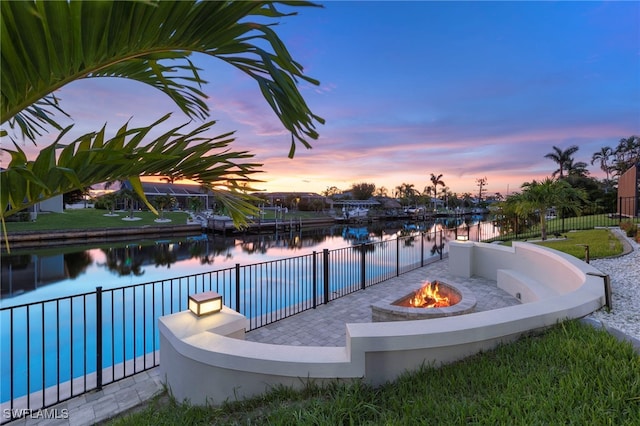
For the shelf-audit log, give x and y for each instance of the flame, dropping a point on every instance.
(428, 296)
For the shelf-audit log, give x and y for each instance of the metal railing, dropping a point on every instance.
(557, 223)
(57, 349)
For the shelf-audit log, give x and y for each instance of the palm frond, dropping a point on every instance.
(92, 158)
(45, 45)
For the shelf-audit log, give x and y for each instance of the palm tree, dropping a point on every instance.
(195, 204)
(444, 193)
(603, 157)
(561, 158)
(576, 169)
(168, 179)
(407, 193)
(627, 154)
(164, 201)
(435, 181)
(130, 198)
(110, 200)
(381, 192)
(540, 196)
(149, 42)
(481, 183)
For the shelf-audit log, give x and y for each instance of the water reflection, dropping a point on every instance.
(124, 261)
(76, 263)
(77, 270)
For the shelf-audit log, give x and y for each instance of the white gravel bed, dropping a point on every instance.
(625, 288)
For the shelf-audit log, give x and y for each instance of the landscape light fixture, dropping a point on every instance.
(205, 303)
(462, 238)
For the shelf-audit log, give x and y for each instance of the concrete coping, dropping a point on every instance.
(376, 352)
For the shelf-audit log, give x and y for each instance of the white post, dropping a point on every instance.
(461, 258)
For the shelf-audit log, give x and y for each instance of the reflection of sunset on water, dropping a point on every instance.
(44, 275)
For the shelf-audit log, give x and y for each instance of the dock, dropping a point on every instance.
(225, 225)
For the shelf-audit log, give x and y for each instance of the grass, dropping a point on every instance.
(562, 226)
(93, 218)
(601, 242)
(599, 220)
(570, 374)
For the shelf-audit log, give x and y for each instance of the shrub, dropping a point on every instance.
(630, 228)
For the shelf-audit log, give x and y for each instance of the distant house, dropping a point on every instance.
(389, 203)
(628, 192)
(279, 198)
(50, 205)
(53, 205)
(181, 192)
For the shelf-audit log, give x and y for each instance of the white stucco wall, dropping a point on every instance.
(203, 360)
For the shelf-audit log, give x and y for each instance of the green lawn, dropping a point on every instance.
(93, 218)
(571, 374)
(600, 220)
(601, 242)
(562, 226)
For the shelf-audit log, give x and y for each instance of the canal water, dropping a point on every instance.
(45, 273)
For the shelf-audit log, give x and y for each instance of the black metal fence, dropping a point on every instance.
(60, 348)
(556, 221)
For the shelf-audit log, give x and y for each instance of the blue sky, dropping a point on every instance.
(412, 88)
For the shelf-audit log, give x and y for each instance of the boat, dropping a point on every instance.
(354, 212)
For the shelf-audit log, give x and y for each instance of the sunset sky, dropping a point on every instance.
(466, 90)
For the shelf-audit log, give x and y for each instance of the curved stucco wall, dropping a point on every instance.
(202, 364)
(553, 268)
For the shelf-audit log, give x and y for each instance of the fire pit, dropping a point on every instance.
(434, 299)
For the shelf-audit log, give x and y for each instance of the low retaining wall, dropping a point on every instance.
(78, 236)
(206, 361)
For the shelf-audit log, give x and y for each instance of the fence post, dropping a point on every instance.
(397, 256)
(98, 338)
(238, 287)
(315, 277)
(441, 246)
(325, 266)
(619, 210)
(421, 249)
(363, 269)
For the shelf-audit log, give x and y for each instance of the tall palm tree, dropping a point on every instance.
(576, 169)
(481, 183)
(627, 154)
(444, 193)
(561, 157)
(46, 45)
(603, 156)
(435, 181)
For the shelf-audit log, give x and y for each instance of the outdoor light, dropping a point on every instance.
(205, 303)
(462, 238)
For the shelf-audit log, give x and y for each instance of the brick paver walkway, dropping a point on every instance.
(323, 326)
